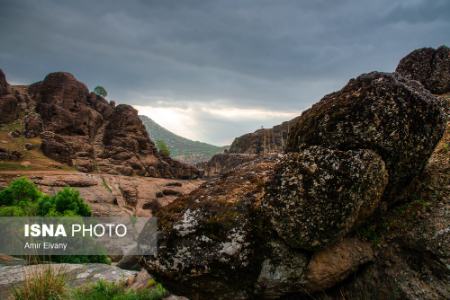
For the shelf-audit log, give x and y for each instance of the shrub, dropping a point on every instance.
(48, 284)
(163, 148)
(100, 91)
(19, 190)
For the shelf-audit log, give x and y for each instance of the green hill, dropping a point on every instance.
(181, 148)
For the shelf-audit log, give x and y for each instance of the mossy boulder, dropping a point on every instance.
(395, 117)
(318, 195)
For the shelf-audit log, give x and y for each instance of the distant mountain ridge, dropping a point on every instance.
(181, 148)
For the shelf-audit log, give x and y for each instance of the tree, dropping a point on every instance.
(100, 91)
(163, 148)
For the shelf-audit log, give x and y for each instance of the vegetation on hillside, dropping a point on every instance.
(163, 148)
(181, 148)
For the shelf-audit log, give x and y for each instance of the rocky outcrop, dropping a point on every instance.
(4, 87)
(9, 105)
(429, 66)
(291, 223)
(224, 162)
(263, 141)
(394, 117)
(83, 130)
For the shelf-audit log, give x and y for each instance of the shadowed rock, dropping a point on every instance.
(320, 194)
(429, 66)
(394, 117)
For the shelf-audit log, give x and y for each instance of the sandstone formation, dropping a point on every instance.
(429, 66)
(83, 130)
(394, 117)
(294, 224)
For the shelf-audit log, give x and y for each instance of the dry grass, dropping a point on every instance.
(32, 159)
(47, 283)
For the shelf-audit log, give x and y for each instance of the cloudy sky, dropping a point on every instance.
(215, 69)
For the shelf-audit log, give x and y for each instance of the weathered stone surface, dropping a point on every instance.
(224, 162)
(333, 264)
(396, 118)
(93, 135)
(9, 105)
(318, 195)
(208, 244)
(263, 141)
(10, 155)
(429, 66)
(108, 195)
(282, 272)
(33, 125)
(4, 87)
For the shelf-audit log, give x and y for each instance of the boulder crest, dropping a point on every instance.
(9, 105)
(394, 117)
(429, 66)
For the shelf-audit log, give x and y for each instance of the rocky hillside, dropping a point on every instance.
(82, 130)
(356, 209)
(182, 149)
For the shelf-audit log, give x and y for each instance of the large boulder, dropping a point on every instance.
(63, 105)
(318, 195)
(394, 117)
(429, 66)
(209, 246)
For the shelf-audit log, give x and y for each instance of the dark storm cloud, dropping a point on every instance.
(275, 55)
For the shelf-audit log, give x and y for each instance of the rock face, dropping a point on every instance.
(9, 110)
(429, 66)
(390, 115)
(263, 141)
(4, 87)
(318, 195)
(224, 162)
(293, 223)
(83, 130)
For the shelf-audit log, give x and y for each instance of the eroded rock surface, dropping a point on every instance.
(288, 224)
(394, 117)
(429, 66)
(9, 105)
(318, 195)
(110, 195)
(83, 130)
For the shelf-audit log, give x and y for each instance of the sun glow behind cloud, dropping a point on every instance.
(198, 121)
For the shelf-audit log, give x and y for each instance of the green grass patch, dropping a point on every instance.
(103, 290)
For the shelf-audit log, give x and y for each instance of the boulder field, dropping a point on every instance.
(340, 213)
